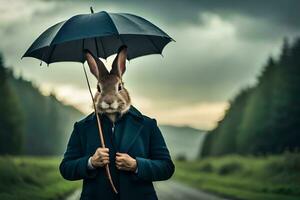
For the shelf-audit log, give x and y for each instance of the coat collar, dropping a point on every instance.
(132, 128)
(132, 111)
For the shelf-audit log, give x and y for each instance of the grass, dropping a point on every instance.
(33, 178)
(240, 177)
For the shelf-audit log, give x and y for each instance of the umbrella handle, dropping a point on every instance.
(100, 131)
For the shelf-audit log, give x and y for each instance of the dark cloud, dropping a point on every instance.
(255, 19)
(266, 19)
(284, 12)
(198, 67)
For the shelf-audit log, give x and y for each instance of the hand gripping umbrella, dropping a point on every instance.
(102, 34)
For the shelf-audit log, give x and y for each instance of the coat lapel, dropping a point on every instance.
(133, 127)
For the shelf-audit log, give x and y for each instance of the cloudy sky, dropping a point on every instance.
(220, 48)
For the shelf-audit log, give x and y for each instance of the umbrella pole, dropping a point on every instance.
(100, 131)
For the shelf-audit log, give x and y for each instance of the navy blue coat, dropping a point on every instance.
(135, 134)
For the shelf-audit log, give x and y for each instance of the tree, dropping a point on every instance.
(11, 116)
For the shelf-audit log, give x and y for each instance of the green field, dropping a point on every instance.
(241, 177)
(33, 178)
(238, 177)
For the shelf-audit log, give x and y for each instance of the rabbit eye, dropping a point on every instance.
(98, 88)
(120, 87)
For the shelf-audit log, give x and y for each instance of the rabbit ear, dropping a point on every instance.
(119, 64)
(96, 65)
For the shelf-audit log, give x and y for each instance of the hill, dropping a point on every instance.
(48, 122)
(183, 142)
(30, 122)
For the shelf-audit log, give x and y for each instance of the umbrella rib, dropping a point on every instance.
(141, 28)
(97, 51)
(113, 23)
(58, 32)
(103, 48)
(125, 15)
(151, 41)
(42, 59)
(83, 58)
(137, 25)
(51, 53)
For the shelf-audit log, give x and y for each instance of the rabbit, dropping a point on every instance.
(111, 98)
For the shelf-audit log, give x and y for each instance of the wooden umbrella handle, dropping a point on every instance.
(103, 145)
(100, 132)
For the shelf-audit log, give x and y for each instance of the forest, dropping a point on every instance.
(30, 122)
(263, 119)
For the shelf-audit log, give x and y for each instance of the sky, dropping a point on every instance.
(221, 47)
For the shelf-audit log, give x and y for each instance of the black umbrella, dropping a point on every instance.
(102, 34)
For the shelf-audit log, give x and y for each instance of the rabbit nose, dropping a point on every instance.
(113, 104)
(108, 101)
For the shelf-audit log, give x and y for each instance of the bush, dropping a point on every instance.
(181, 157)
(292, 162)
(289, 163)
(206, 167)
(229, 168)
(9, 172)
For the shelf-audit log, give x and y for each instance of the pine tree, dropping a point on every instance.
(268, 120)
(11, 120)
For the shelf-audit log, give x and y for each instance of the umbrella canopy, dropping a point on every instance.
(101, 33)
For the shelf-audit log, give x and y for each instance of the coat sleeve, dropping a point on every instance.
(159, 166)
(74, 165)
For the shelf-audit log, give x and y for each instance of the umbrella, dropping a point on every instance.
(102, 34)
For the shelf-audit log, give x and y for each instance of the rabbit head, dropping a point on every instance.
(111, 96)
